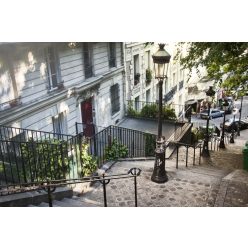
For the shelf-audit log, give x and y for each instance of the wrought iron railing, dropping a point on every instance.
(170, 94)
(37, 155)
(50, 185)
(136, 143)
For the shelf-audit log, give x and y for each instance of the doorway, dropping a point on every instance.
(87, 118)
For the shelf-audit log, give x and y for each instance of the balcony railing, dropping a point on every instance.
(170, 94)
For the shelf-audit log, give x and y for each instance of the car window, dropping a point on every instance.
(204, 112)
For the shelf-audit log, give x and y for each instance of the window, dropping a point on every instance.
(136, 69)
(137, 103)
(112, 55)
(148, 95)
(115, 99)
(53, 67)
(87, 57)
(181, 74)
(60, 124)
(147, 59)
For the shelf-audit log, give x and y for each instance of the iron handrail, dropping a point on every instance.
(50, 185)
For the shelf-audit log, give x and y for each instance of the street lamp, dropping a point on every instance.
(161, 61)
(205, 151)
(222, 139)
(240, 111)
(235, 111)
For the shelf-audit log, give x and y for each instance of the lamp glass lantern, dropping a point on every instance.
(161, 61)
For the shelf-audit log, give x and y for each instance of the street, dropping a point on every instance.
(197, 121)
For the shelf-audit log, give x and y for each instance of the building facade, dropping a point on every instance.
(51, 86)
(140, 83)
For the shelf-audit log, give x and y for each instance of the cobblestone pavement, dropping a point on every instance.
(219, 181)
(191, 187)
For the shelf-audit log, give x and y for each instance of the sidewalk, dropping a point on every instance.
(218, 181)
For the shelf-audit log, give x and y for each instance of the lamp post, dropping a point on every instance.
(160, 59)
(205, 151)
(235, 111)
(222, 139)
(240, 112)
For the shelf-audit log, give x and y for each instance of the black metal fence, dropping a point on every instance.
(28, 156)
(114, 141)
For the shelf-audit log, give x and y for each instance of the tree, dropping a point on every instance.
(226, 62)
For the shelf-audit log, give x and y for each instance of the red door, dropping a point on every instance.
(87, 118)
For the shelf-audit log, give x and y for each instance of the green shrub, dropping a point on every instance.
(115, 151)
(168, 113)
(196, 135)
(130, 110)
(150, 111)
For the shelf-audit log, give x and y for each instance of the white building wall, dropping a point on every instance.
(31, 79)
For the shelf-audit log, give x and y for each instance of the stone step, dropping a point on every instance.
(45, 204)
(83, 202)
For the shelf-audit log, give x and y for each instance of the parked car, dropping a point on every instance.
(214, 113)
(230, 123)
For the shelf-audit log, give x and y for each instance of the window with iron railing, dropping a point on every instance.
(136, 69)
(112, 54)
(87, 57)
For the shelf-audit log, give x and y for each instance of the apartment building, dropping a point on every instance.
(50, 86)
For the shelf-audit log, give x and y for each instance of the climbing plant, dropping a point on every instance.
(89, 162)
(45, 160)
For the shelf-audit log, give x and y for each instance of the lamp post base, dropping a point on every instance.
(222, 144)
(232, 137)
(205, 151)
(159, 173)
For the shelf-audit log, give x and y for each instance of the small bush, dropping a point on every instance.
(115, 151)
(150, 111)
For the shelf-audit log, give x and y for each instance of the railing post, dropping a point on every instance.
(194, 156)
(50, 200)
(177, 156)
(135, 188)
(76, 128)
(133, 171)
(200, 154)
(187, 150)
(104, 191)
